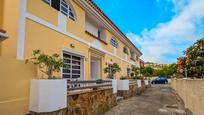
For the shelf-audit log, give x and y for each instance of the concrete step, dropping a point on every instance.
(119, 98)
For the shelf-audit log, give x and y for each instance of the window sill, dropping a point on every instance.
(90, 34)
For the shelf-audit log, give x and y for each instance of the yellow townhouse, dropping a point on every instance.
(76, 29)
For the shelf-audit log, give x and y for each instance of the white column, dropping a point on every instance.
(62, 22)
(21, 32)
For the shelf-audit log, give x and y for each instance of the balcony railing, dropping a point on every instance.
(90, 84)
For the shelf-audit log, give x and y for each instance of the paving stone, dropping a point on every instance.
(157, 100)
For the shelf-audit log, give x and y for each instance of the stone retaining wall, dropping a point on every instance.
(128, 93)
(192, 93)
(133, 90)
(91, 103)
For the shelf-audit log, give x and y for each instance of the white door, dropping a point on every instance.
(95, 68)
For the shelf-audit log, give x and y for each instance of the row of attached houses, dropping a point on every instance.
(78, 30)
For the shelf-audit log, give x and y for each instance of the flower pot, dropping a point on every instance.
(122, 84)
(48, 95)
(146, 82)
(139, 83)
(114, 85)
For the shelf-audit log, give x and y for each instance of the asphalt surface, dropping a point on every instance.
(157, 100)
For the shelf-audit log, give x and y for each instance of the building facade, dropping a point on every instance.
(78, 30)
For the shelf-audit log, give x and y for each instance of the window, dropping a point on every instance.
(99, 34)
(47, 1)
(63, 7)
(128, 72)
(125, 50)
(74, 69)
(114, 43)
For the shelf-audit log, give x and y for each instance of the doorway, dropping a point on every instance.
(95, 68)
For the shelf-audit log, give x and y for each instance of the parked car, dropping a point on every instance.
(160, 80)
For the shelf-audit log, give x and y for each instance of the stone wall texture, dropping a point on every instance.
(91, 103)
(192, 93)
(128, 93)
(133, 90)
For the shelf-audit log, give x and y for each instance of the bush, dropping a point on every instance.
(123, 78)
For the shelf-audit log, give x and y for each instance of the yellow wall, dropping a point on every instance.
(10, 24)
(77, 27)
(51, 42)
(0, 48)
(1, 12)
(1, 18)
(43, 11)
(14, 86)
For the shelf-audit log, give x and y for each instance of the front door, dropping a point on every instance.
(95, 68)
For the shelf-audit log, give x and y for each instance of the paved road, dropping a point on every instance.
(157, 100)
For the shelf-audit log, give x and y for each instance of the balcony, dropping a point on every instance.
(133, 56)
(95, 29)
(98, 38)
(133, 59)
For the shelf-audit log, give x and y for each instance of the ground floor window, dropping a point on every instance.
(74, 71)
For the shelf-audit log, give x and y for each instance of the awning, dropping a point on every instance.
(96, 52)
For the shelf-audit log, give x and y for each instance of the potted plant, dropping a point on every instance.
(47, 95)
(112, 69)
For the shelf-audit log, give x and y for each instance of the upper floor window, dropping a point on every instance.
(125, 50)
(63, 7)
(114, 43)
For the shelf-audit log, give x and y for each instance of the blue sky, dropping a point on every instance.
(161, 29)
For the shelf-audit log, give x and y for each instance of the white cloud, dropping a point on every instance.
(164, 38)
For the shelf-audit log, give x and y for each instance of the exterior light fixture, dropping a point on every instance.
(72, 45)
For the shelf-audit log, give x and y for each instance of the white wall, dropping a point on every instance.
(90, 27)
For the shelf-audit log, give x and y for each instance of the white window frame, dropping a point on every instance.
(48, 1)
(66, 6)
(114, 42)
(81, 66)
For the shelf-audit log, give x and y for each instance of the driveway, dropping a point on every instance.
(157, 100)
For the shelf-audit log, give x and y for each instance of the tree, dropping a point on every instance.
(112, 69)
(147, 71)
(135, 70)
(168, 70)
(47, 63)
(195, 59)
